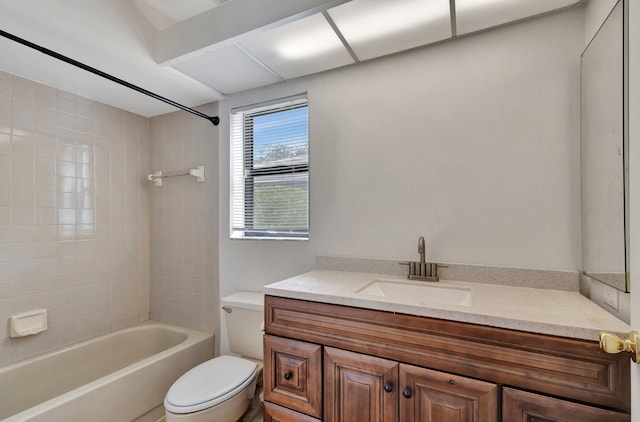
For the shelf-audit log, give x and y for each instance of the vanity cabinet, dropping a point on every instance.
(353, 364)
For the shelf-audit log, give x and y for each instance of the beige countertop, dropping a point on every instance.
(544, 311)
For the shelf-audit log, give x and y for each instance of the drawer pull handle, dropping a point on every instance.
(287, 376)
(406, 393)
(388, 387)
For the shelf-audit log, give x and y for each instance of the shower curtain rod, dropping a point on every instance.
(213, 119)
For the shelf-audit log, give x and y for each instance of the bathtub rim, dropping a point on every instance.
(193, 337)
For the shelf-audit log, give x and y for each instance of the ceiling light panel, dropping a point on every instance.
(374, 28)
(474, 15)
(227, 70)
(299, 48)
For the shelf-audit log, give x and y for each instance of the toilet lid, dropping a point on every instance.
(209, 383)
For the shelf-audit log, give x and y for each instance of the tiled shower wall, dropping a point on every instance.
(74, 215)
(184, 222)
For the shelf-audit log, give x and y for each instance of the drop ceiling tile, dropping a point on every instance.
(299, 48)
(374, 28)
(227, 70)
(474, 15)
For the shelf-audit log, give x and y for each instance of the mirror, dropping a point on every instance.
(604, 154)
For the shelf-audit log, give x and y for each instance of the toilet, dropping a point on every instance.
(221, 389)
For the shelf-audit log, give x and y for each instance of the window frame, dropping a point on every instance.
(249, 113)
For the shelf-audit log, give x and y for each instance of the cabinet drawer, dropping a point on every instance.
(293, 374)
(529, 407)
(275, 413)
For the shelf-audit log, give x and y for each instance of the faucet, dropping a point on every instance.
(422, 270)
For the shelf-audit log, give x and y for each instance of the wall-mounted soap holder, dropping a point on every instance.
(28, 323)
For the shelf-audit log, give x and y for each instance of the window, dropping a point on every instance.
(270, 170)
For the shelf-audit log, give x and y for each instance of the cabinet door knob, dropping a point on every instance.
(388, 387)
(287, 375)
(611, 343)
(406, 393)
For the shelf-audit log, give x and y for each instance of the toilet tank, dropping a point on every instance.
(244, 313)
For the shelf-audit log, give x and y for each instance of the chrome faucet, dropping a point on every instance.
(423, 270)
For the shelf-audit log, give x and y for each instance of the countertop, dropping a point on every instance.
(544, 311)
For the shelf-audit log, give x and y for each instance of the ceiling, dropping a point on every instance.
(199, 51)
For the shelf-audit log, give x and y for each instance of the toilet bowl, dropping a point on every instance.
(217, 390)
(222, 388)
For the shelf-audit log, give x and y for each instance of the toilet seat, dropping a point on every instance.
(209, 384)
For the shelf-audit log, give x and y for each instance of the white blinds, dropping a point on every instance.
(270, 170)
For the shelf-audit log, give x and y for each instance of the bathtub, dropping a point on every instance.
(118, 377)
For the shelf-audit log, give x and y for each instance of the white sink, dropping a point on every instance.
(417, 293)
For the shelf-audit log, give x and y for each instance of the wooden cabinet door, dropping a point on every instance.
(293, 374)
(433, 396)
(522, 406)
(359, 388)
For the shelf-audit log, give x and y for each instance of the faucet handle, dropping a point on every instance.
(414, 267)
(433, 266)
(419, 271)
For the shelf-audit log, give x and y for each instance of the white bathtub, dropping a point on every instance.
(118, 377)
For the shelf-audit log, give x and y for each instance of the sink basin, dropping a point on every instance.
(417, 293)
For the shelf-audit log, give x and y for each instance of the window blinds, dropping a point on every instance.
(270, 170)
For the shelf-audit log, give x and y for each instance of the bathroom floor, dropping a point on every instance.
(254, 413)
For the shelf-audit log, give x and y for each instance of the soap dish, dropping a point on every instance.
(28, 323)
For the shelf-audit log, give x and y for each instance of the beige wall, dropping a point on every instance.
(596, 11)
(184, 222)
(473, 143)
(74, 229)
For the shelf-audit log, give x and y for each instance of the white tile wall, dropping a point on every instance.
(74, 215)
(184, 222)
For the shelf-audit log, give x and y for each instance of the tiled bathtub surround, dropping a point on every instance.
(184, 222)
(518, 277)
(74, 229)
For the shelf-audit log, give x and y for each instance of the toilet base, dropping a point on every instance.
(227, 411)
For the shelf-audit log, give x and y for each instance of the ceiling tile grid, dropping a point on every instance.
(375, 28)
(300, 48)
(227, 70)
(250, 43)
